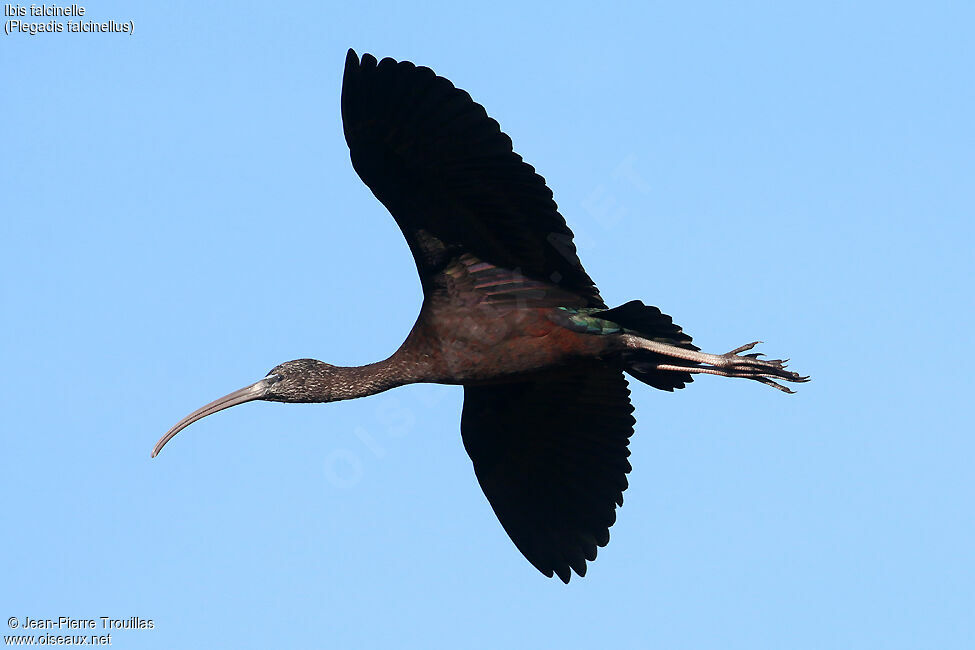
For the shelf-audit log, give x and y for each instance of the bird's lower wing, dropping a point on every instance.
(550, 452)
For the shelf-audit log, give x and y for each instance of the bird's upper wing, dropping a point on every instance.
(450, 178)
(550, 452)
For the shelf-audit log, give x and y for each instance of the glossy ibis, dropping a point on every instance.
(508, 313)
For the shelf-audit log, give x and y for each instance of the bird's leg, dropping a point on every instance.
(729, 364)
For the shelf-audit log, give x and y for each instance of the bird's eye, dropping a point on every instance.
(273, 378)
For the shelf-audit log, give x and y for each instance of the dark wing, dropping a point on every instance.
(550, 453)
(449, 177)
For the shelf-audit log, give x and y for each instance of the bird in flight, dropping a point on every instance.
(508, 313)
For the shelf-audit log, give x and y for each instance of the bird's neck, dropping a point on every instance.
(350, 382)
(415, 361)
(410, 364)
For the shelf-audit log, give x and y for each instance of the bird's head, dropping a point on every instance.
(301, 380)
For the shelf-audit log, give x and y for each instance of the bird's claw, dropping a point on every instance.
(750, 366)
(747, 346)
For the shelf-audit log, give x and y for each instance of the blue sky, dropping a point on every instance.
(180, 215)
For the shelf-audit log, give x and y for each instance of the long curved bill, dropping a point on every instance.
(250, 393)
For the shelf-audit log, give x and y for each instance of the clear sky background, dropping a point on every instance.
(179, 215)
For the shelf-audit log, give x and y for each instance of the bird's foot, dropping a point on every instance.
(750, 366)
(729, 364)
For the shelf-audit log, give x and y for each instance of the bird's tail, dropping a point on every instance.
(651, 323)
